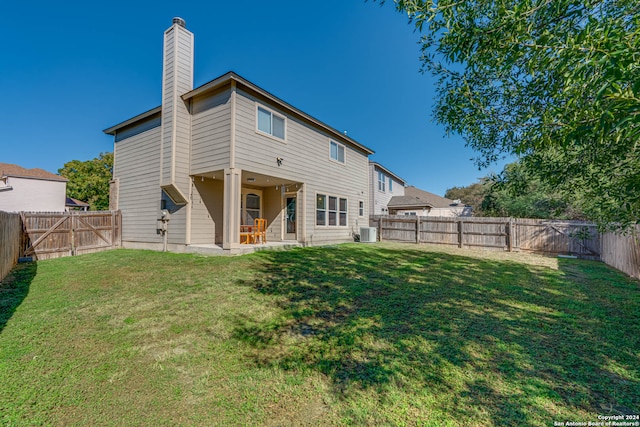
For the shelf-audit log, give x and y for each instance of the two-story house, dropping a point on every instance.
(36, 190)
(389, 195)
(218, 156)
(383, 185)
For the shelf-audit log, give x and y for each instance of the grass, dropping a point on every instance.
(346, 335)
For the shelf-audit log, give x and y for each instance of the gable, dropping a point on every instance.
(11, 170)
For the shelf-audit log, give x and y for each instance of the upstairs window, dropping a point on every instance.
(390, 185)
(381, 181)
(271, 123)
(337, 152)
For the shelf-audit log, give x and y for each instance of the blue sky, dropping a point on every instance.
(71, 69)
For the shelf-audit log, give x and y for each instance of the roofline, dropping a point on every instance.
(76, 202)
(227, 79)
(112, 130)
(388, 171)
(411, 206)
(42, 178)
(232, 76)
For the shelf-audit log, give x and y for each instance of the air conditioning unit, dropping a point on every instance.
(368, 234)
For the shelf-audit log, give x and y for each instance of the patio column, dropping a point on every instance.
(231, 208)
(302, 219)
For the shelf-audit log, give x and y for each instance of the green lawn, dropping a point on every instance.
(345, 335)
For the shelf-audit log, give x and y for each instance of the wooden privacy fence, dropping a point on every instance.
(622, 252)
(533, 235)
(52, 235)
(10, 236)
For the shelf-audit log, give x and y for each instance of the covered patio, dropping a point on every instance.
(230, 203)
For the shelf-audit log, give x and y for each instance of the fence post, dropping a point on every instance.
(72, 231)
(509, 235)
(460, 234)
(417, 229)
(113, 229)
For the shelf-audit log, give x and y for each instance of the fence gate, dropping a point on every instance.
(52, 235)
(559, 237)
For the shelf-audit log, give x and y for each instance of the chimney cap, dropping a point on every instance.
(180, 21)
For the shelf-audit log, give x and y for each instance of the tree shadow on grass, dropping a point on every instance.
(501, 339)
(14, 289)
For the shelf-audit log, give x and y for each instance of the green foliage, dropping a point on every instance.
(519, 193)
(552, 82)
(89, 180)
(471, 195)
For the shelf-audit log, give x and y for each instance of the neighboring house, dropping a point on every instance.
(422, 203)
(383, 185)
(219, 156)
(72, 204)
(31, 190)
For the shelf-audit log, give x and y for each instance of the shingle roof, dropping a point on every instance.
(8, 169)
(71, 202)
(414, 197)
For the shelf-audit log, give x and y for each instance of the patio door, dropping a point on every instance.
(291, 215)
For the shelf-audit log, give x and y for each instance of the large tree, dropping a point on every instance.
(554, 82)
(89, 180)
(515, 192)
(472, 195)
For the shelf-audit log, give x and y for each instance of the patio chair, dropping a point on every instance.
(259, 230)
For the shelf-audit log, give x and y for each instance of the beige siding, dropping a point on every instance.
(136, 168)
(211, 133)
(206, 211)
(176, 124)
(306, 160)
(168, 94)
(273, 212)
(141, 126)
(30, 194)
(378, 199)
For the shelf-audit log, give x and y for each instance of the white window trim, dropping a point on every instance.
(273, 112)
(363, 208)
(326, 210)
(344, 149)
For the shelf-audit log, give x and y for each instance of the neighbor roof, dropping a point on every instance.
(245, 84)
(8, 169)
(75, 203)
(414, 197)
